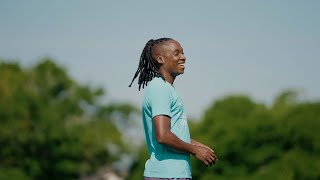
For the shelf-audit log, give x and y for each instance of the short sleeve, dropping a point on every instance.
(160, 99)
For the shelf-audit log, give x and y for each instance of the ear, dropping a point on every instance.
(159, 59)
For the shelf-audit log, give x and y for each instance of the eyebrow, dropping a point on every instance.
(179, 49)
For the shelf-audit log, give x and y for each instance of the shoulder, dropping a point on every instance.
(158, 87)
(158, 83)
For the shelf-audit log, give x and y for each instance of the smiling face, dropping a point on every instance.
(170, 56)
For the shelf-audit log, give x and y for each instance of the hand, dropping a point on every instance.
(196, 143)
(207, 156)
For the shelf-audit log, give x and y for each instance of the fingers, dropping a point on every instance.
(207, 156)
(206, 163)
(214, 156)
(210, 159)
(206, 159)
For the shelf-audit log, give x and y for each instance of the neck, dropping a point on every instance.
(168, 77)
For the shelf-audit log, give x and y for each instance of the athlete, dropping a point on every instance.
(164, 118)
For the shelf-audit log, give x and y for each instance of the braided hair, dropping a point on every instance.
(148, 67)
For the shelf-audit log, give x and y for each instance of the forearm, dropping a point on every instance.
(175, 144)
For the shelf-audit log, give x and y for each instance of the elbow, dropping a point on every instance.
(161, 138)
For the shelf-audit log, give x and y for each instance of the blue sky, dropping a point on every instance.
(256, 48)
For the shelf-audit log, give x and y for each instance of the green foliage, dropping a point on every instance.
(254, 141)
(13, 173)
(51, 126)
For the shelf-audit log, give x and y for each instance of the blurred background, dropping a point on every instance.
(251, 86)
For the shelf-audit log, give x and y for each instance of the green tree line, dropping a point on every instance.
(52, 127)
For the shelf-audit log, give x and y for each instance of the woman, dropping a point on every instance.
(164, 119)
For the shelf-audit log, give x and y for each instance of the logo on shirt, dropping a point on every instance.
(183, 120)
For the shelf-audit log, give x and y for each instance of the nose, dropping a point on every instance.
(183, 57)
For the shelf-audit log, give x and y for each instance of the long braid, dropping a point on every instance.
(148, 68)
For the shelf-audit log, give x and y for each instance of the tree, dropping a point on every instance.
(51, 126)
(256, 142)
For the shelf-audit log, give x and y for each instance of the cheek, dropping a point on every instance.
(174, 63)
(174, 60)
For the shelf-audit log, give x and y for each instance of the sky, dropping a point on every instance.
(253, 48)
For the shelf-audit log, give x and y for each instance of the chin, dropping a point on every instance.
(179, 73)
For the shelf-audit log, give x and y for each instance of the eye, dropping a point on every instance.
(176, 53)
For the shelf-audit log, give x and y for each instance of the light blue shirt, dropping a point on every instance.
(161, 99)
